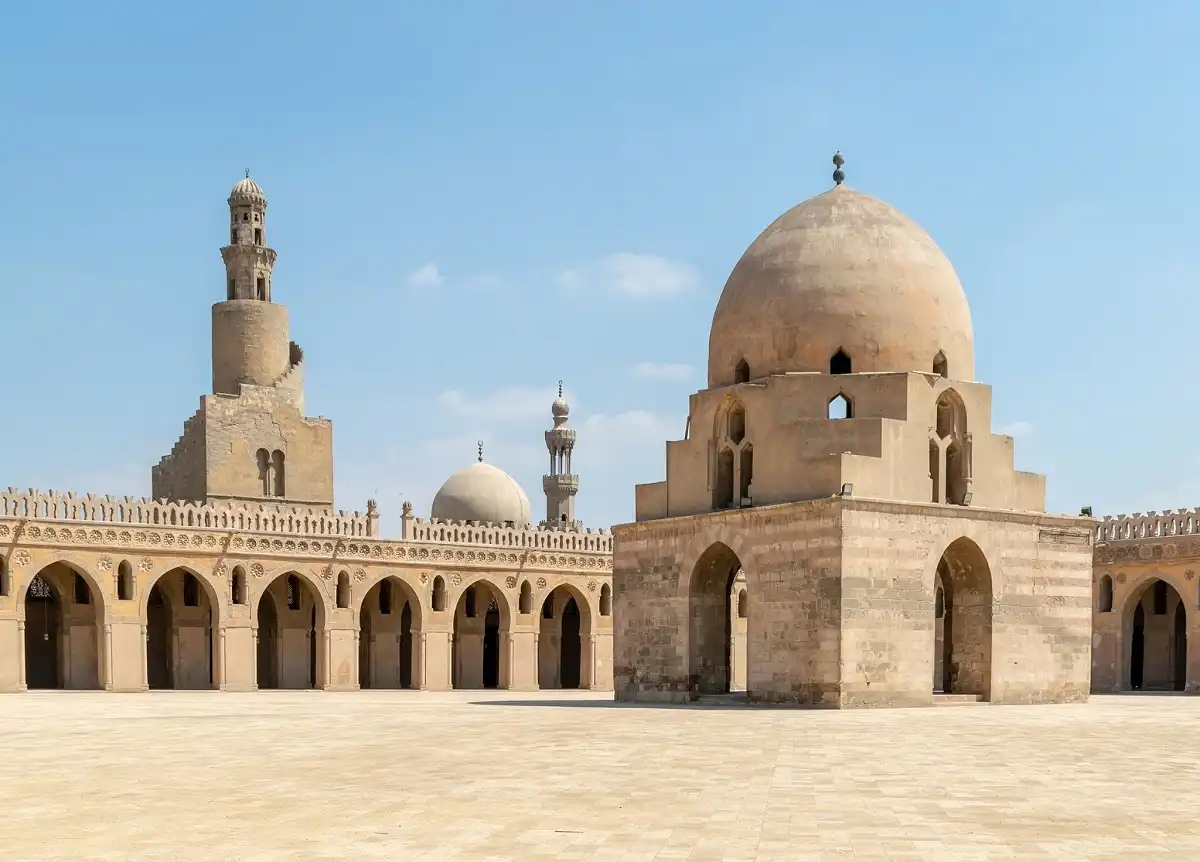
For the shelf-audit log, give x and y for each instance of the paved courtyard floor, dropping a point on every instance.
(505, 776)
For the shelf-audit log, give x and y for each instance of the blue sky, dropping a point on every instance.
(473, 200)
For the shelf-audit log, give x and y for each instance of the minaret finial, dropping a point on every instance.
(479, 445)
(560, 389)
(839, 175)
(247, 173)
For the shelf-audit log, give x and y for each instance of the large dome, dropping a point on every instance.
(484, 494)
(845, 271)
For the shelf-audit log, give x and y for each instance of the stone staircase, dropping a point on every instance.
(956, 699)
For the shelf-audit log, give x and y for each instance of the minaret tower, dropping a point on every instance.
(560, 484)
(250, 333)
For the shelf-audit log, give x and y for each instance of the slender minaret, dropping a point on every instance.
(560, 484)
(249, 332)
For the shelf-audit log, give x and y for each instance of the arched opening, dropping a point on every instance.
(935, 471)
(1156, 621)
(180, 618)
(5, 578)
(124, 581)
(710, 635)
(389, 621)
(746, 473)
(736, 427)
(479, 659)
(839, 363)
(43, 624)
(291, 622)
(741, 372)
(1104, 603)
(962, 660)
(606, 601)
(525, 601)
(738, 668)
(940, 366)
(237, 586)
(840, 407)
(277, 469)
(438, 599)
(564, 632)
(264, 472)
(343, 590)
(951, 427)
(723, 489)
(63, 637)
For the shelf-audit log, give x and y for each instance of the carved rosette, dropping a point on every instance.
(104, 564)
(145, 564)
(456, 579)
(541, 583)
(21, 559)
(257, 570)
(510, 581)
(360, 575)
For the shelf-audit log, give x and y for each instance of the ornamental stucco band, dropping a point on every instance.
(238, 573)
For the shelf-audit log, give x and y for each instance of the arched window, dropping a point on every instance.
(230, 291)
(741, 604)
(935, 471)
(83, 595)
(469, 602)
(1106, 595)
(951, 425)
(5, 580)
(723, 489)
(606, 601)
(343, 590)
(741, 372)
(385, 597)
(277, 463)
(940, 366)
(258, 236)
(746, 472)
(525, 603)
(191, 590)
(264, 472)
(737, 423)
(124, 581)
(237, 586)
(439, 594)
(840, 407)
(293, 593)
(548, 607)
(260, 286)
(839, 363)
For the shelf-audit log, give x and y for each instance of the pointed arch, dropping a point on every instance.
(840, 362)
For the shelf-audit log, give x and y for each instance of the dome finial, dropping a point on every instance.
(479, 446)
(247, 173)
(839, 175)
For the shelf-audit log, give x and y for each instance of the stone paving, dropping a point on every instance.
(569, 776)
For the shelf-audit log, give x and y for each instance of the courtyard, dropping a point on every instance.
(508, 776)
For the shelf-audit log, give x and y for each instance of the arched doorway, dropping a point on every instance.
(291, 622)
(1156, 623)
(389, 620)
(63, 646)
(710, 611)
(739, 612)
(43, 623)
(180, 618)
(962, 625)
(480, 621)
(564, 640)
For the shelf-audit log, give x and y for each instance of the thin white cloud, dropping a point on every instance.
(425, 278)
(506, 405)
(634, 428)
(663, 371)
(639, 276)
(1016, 430)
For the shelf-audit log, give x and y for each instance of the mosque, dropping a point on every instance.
(239, 574)
(839, 526)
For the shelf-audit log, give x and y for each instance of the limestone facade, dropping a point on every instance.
(239, 574)
(1144, 601)
(842, 465)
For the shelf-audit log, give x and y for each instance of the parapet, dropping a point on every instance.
(540, 537)
(218, 515)
(1152, 525)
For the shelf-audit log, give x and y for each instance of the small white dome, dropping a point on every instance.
(483, 494)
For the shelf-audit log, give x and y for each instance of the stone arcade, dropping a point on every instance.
(240, 574)
(839, 495)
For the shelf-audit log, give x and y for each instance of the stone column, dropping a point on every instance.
(419, 658)
(219, 665)
(22, 685)
(107, 664)
(145, 658)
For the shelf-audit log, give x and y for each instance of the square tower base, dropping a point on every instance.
(852, 603)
